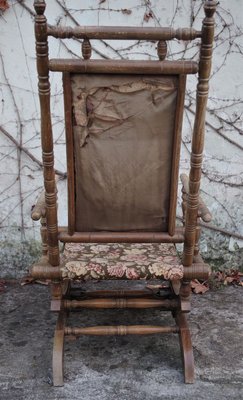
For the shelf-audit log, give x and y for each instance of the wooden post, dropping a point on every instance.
(46, 130)
(43, 232)
(198, 131)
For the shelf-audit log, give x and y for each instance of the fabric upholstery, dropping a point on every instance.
(120, 261)
(123, 140)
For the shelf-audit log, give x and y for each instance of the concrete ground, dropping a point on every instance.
(127, 368)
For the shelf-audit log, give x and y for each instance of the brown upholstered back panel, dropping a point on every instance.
(123, 130)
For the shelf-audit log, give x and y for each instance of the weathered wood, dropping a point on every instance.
(198, 131)
(122, 237)
(122, 33)
(144, 293)
(162, 49)
(197, 239)
(86, 49)
(176, 298)
(123, 66)
(46, 131)
(185, 295)
(67, 93)
(183, 204)
(39, 213)
(122, 303)
(186, 347)
(58, 350)
(39, 209)
(44, 237)
(43, 271)
(203, 211)
(120, 330)
(176, 154)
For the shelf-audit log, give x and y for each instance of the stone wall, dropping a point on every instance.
(20, 154)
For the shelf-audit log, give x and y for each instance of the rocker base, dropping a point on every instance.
(181, 328)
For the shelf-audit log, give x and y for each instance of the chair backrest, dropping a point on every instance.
(123, 133)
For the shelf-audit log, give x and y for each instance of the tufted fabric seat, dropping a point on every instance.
(81, 261)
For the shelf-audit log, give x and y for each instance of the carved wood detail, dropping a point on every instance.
(46, 131)
(162, 49)
(86, 49)
(121, 302)
(176, 296)
(126, 33)
(198, 132)
(120, 330)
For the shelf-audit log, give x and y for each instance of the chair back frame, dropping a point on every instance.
(162, 66)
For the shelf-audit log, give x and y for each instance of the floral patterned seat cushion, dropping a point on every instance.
(120, 261)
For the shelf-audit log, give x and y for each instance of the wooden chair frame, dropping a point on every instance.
(63, 297)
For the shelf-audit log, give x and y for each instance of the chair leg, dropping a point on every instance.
(186, 347)
(58, 349)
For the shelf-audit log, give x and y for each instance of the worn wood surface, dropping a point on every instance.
(123, 66)
(176, 154)
(176, 297)
(67, 93)
(203, 211)
(122, 33)
(123, 237)
(198, 131)
(186, 347)
(43, 270)
(120, 330)
(46, 132)
(122, 302)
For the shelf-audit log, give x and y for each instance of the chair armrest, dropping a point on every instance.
(203, 211)
(39, 209)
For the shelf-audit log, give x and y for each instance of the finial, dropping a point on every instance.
(40, 6)
(210, 8)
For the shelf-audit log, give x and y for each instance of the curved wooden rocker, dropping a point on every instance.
(58, 350)
(186, 346)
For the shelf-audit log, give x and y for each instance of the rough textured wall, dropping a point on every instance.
(20, 154)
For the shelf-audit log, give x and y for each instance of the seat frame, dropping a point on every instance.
(175, 297)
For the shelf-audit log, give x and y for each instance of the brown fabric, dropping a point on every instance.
(123, 138)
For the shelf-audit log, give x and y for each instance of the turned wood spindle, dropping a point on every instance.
(184, 203)
(86, 49)
(43, 232)
(46, 131)
(198, 131)
(162, 49)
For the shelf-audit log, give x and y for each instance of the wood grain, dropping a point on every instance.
(122, 237)
(123, 66)
(120, 330)
(46, 132)
(122, 33)
(67, 93)
(198, 132)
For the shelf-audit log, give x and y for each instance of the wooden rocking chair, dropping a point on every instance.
(123, 124)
